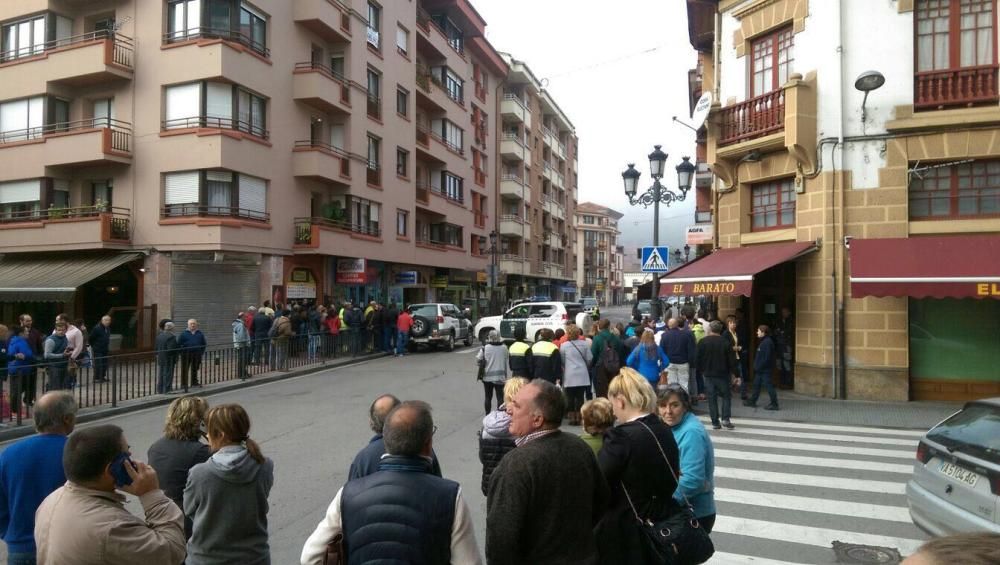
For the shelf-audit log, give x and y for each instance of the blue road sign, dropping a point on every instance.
(654, 259)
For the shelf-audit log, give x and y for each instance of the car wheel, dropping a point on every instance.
(450, 344)
(420, 327)
(468, 337)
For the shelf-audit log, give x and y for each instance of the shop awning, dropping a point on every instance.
(962, 266)
(53, 279)
(730, 271)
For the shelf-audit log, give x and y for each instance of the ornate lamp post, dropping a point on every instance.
(656, 194)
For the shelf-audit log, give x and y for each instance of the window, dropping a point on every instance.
(192, 19)
(451, 187)
(374, 160)
(402, 101)
(954, 34)
(449, 133)
(448, 234)
(102, 193)
(773, 205)
(104, 112)
(481, 79)
(402, 223)
(374, 93)
(957, 191)
(374, 25)
(364, 215)
(184, 103)
(453, 84)
(214, 193)
(454, 34)
(402, 39)
(20, 199)
(589, 220)
(184, 19)
(253, 28)
(402, 161)
(31, 36)
(22, 119)
(771, 61)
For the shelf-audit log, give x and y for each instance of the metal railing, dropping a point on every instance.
(515, 98)
(955, 87)
(756, 117)
(186, 210)
(328, 72)
(344, 156)
(121, 54)
(111, 380)
(374, 106)
(118, 217)
(303, 228)
(121, 132)
(217, 33)
(214, 122)
(374, 174)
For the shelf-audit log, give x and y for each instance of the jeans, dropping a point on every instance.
(679, 373)
(190, 364)
(387, 335)
(166, 377)
(743, 380)
(401, 339)
(21, 559)
(314, 341)
(243, 353)
(262, 351)
(718, 388)
(30, 383)
(763, 378)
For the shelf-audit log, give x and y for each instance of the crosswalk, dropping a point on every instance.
(786, 491)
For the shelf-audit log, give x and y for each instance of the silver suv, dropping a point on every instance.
(439, 324)
(956, 478)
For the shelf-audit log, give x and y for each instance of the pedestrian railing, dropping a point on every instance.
(114, 379)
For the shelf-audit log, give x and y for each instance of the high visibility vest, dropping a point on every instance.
(544, 349)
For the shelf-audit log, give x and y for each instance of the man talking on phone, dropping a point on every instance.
(97, 461)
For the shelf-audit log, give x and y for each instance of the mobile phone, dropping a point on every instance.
(122, 478)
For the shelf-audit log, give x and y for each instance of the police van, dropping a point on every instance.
(533, 317)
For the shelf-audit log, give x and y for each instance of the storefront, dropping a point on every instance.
(408, 285)
(358, 280)
(213, 287)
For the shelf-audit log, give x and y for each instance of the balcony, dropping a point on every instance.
(513, 264)
(436, 37)
(513, 147)
(549, 137)
(950, 88)
(513, 186)
(330, 19)
(374, 107)
(84, 142)
(513, 107)
(547, 170)
(85, 227)
(373, 174)
(514, 226)
(321, 161)
(199, 211)
(92, 58)
(753, 118)
(308, 231)
(319, 86)
(234, 37)
(560, 150)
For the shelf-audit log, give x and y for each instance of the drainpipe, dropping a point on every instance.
(717, 72)
(836, 341)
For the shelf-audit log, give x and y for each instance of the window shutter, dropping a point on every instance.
(219, 104)
(401, 39)
(183, 102)
(180, 188)
(253, 195)
(373, 210)
(13, 116)
(20, 191)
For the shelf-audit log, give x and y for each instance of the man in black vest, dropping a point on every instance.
(402, 513)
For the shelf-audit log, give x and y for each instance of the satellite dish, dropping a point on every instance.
(701, 110)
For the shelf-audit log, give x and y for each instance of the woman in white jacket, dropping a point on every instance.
(576, 360)
(492, 357)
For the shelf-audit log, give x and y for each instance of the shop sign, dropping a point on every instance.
(599, 287)
(698, 234)
(727, 288)
(351, 271)
(439, 281)
(407, 277)
(460, 277)
(988, 289)
(482, 277)
(569, 289)
(300, 290)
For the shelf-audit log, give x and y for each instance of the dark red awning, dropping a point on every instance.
(959, 266)
(730, 271)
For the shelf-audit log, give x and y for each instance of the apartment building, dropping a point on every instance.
(600, 259)
(866, 203)
(538, 190)
(186, 158)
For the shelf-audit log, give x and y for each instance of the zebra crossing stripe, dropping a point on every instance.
(820, 481)
(873, 466)
(723, 558)
(841, 438)
(819, 537)
(808, 504)
(726, 438)
(823, 427)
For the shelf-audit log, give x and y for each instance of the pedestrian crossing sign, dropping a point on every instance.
(654, 259)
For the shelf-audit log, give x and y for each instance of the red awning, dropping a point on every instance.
(730, 271)
(961, 266)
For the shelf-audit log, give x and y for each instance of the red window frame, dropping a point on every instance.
(955, 192)
(776, 50)
(950, 13)
(772, 199)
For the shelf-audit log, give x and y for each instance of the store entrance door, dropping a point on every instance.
(772, 290)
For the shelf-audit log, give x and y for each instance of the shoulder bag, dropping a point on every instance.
(677, 539)
(482, 364)
(335, 551)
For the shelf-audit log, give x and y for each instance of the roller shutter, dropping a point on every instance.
(253, 196)
(213, 294)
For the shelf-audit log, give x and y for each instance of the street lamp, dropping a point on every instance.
(656, 194)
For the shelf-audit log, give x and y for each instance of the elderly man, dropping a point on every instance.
(546, 495)
(30, 470)
(192, 344)
(109, 534)
(403, 513)
(100, 342)
(679, 345)
(166, 356)
(367, 460)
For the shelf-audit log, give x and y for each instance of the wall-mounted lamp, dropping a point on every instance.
(112, 289)
(867, 82)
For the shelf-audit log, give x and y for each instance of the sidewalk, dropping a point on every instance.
(10, 432)
(919, 415)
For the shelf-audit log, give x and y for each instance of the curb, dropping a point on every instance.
(98, 413)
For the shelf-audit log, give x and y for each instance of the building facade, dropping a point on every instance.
(538, 190)
(872, 219)
(197, 156)
(599, 257)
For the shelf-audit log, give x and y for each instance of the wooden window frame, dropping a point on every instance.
(781, 188)
(954, 192)
(775, 37)
(954, 36)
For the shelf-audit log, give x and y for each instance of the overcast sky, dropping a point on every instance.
(619, 72)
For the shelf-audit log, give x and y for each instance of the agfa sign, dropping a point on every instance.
(698, 234)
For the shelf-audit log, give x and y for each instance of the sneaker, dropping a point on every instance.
(750, 403)
(771, 407)
(729, 425)
(716, 426)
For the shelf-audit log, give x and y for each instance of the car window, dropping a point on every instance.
(518, 312)
(572, 310)
(974, 430)
(543, 311)
(425, 310)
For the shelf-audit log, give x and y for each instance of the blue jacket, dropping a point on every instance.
(650, 368)
(763, 361)
(679, 345)
(367, 460)
(192, 342)
(697, 465)
(17, 344)
(30, 470)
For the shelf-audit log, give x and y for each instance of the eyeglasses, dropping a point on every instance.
(434, 431)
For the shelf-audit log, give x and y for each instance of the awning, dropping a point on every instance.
(53, 279)
(730, 271)
(961, 266)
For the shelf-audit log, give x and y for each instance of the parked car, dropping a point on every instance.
(533, 316)
(956, 478)
(589, 304)
(439, 324)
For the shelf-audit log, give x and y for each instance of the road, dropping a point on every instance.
(785, 490)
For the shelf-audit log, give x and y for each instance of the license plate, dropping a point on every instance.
(958, 473)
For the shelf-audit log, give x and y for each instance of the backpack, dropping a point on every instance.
(610, 359)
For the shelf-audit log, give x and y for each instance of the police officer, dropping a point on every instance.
(519, 354)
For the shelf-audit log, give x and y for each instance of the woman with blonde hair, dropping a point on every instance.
(495, 439)
(639, 459)
(648, 358)
(173, 455)
(598, 417)
(226, 496)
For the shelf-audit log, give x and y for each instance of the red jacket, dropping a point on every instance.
(248, 323)
(333, 323)
(404, 321)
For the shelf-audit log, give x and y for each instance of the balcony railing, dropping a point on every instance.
(515, 98)
(187, 210)
(119, 225)
(955, 87)
(121, 132)
(217, 33)
(344, 156)
(213, 122)
(374, 174)
(374, 106)
(328, 72)
(121, 53)
(304, 231)
(423, 134)
(756, 117)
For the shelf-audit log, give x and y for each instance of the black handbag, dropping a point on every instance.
(677, 539)
(481, 372)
